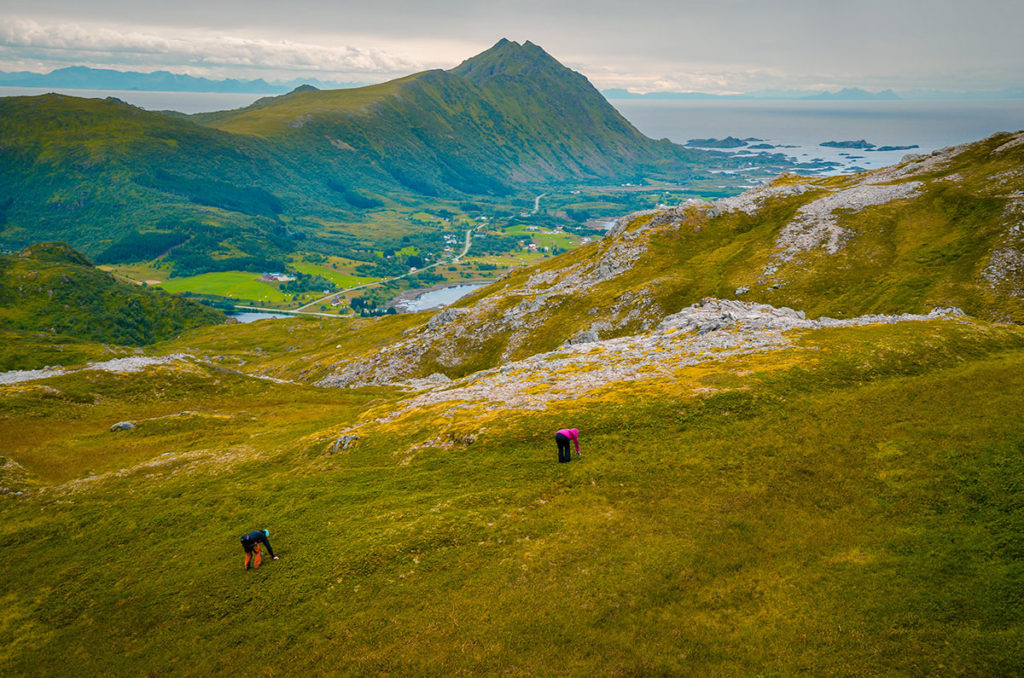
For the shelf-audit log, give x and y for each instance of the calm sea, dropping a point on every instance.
(805, 124)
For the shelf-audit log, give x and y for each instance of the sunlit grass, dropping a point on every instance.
(847, 508)
(233, 284)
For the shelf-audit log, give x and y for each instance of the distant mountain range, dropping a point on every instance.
(82, 77)
(845, 94)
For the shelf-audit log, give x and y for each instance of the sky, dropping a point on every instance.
(720, 46)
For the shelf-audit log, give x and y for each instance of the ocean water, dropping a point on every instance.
(803, 125)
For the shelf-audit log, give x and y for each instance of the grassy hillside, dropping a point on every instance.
(846, 506)
(52, 288)
(934, 232)
(98, 173)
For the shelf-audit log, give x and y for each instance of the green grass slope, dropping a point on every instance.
(96, 173)
(848, 506)
(52, 288)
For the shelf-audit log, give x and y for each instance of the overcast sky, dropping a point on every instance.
(682, 45)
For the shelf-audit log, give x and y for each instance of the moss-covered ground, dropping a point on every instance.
(850, 507)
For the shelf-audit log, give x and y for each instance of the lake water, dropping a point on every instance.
(253, 316)
(805, 124)
(436, 298)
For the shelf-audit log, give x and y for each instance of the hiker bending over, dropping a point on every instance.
(562, 438)
(251, 544)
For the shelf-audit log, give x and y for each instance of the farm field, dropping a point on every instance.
(232, 284)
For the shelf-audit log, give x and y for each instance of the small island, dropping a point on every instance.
(861, 143)
(728, 142)
(894, 148)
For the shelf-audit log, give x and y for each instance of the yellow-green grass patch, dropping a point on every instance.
(233, 284)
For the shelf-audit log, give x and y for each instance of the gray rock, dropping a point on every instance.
(343, 443)
(584, 337)
(446, 316)
(123, 426)
(742, 290)
(947, 311)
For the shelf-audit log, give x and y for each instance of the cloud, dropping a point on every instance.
(194, 51)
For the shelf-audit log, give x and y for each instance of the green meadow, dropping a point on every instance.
(233, 284)
(342, 280)
(851, 506)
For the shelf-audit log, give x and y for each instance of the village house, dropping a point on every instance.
(277, 277)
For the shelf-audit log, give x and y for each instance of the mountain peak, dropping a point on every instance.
(506, 57)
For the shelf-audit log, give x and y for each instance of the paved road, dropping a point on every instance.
(536, 203)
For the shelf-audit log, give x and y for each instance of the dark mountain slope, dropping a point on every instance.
(52, 287)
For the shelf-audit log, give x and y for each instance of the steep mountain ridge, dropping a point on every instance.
(510, 115)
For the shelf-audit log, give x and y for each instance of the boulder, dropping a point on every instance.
(584, 337)
(123, 426)
(446, 316)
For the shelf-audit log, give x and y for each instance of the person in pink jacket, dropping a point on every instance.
(562, 438)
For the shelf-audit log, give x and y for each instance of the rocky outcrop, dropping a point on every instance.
(712, 315)
(343, 443)
(752, 201)
(816, 224)
(712, 330)
(1005, 270)
(120, 365)
(444, 317)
